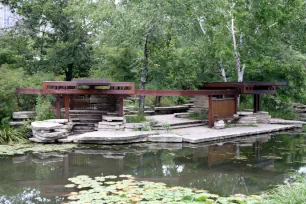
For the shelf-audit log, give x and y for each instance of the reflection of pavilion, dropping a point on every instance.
(146, 163)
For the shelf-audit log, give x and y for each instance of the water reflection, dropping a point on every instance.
(245, 166)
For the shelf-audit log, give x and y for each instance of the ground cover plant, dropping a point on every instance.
(126, 189)
(18, 149)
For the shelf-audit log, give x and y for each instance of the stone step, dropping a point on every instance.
(85, 111)
(83, 116)
(83, 127)
(149, 112)
(112, 118)
(84, 123)
(191, 122)
(86, 120)
(179, 126)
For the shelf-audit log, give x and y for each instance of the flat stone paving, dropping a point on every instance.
(205, 134)
(170, 119)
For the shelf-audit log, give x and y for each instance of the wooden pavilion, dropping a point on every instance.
(222, 96)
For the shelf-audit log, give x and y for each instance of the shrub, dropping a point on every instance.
(135, 119)
(291, 192)
(43, 108)
(11, 135)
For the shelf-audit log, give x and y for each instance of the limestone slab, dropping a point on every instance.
(24, 114)
(203, 134)
(60, 121)
(53, 135)
(41, 125)
(40, 141)
(167, 138)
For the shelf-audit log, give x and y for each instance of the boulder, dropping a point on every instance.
(219, 124)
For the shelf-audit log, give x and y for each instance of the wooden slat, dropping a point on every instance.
(92, 82)
(88, 92)
(58, 107)
(184, 93)
(28, 91)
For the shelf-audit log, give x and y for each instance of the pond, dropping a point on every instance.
(246, 166)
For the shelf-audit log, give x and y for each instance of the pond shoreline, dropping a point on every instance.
(193, 135)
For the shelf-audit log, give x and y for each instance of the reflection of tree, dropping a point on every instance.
(292, 148)
(10, 192)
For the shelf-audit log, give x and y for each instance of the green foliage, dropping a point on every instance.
(304, 128)
(293, 192)
(11, 79)
(135, 119)
(197, 116)
(17, 149)
(167, 127)
(123, 189)
(12, 135)
(44, 108)
(146, 127)
(189, 43)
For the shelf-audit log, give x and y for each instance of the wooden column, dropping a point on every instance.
(71, 102)
(210, 113)
(58, 106)
(256, 103)
(66, 102)
(120, 105)
(236, 103)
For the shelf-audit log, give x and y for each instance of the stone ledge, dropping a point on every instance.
(41, 125)
(165, 138)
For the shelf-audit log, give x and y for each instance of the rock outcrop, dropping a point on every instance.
(49, 131)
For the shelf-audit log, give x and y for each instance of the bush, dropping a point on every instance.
(44, 108)
(135, 119)
(292, 192)
(11, 135)
(12, 78)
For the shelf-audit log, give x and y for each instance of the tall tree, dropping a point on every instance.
(60, 40)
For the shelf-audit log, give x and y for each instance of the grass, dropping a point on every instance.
(287, 115)
(197, 116)
(291, 193)
(304, 128)
(12, 135)
(135, 119)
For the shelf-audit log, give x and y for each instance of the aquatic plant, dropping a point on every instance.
(26, 148)
(125, 189)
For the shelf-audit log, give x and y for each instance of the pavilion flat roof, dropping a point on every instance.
(92, 82)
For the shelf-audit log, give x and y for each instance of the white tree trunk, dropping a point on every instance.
(222, 70)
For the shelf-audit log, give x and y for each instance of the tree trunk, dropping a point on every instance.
(144, 70)
(69, 72)
(157, 101)
(222, 70)
(239, 70)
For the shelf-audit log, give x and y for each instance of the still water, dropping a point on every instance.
(246, 166)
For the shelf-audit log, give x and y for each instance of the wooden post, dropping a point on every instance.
(120, 104)
(58, 106)
(210, 113)
(71, 102)
(256, 103)
(236, 103)
(66, 102)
